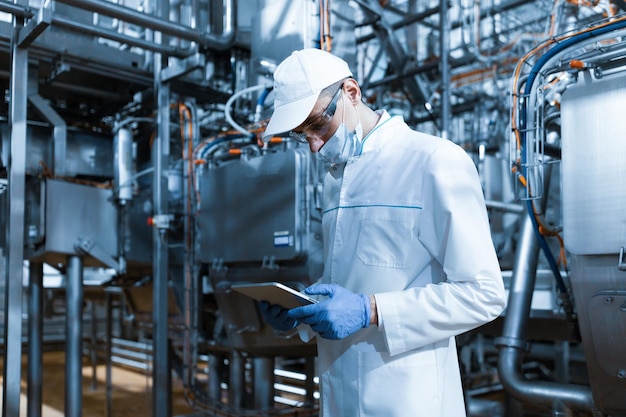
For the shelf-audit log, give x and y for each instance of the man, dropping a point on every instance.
(408, 257)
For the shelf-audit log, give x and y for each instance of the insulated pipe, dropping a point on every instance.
(220, 42)
(512, 343)
(123, 164)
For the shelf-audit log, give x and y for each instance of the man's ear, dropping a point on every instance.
(352, 91)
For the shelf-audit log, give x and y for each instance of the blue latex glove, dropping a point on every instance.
(342, 314)
(276, 316)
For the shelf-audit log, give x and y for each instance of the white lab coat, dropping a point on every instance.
(406, 221)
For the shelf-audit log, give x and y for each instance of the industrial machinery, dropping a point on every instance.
(133, 169)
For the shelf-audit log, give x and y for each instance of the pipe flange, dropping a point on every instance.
(512, 342)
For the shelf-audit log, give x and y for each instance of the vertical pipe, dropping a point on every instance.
(412, 31)
(122, 182)
(522, 282)
(263, 383)
(162, 384)
(123, 164)
(524, 274)
(15, 228)
(74, 337)
(123, 332)
(94, 345)
(236, 379)
(109, 335)
(35, 339)
(214, 388)
(444, 39)
(192, 286)
(309, 384)
(512, 344)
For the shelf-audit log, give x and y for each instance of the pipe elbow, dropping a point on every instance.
(578, 397)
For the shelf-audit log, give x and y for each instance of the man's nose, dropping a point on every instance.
(315, 143)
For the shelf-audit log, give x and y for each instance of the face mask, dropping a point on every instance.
(343, 144)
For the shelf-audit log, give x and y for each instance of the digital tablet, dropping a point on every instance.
(274, 293)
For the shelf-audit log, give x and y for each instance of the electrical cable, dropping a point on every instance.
(232, 99)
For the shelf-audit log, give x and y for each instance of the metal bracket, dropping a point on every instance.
(269, 262)
(60, 67)
(218, 265)
(90, 247)
(621, 262)
(185, 66)
(46, 111)
(34, 27)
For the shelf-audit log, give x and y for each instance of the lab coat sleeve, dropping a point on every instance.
(454, 228)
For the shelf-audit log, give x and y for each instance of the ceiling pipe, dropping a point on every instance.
(221, 41)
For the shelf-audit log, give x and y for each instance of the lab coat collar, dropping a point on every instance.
(372, 140)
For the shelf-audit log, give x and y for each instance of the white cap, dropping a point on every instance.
(298, 81)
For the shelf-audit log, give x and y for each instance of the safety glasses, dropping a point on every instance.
(319, 124)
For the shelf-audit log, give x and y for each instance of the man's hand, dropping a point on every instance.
(342, 314)
(276, 316)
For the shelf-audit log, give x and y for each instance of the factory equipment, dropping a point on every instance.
(130, 145)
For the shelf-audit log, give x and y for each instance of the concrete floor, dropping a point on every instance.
(131, 393)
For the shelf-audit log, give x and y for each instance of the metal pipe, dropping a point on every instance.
(35, 339)
(214, 389)
(506, 207)
(444, 39)
(93, 30)
(15, 227)
(74, 337)
(263, 382)
(123, 164)
(408, 19)
(118, 37)
(162, 373)
(94, 345)
(221, 42)
(236, 386)
(109, 370)
(394, 49)
(309, 384)
(512, 343)
(16, 9)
